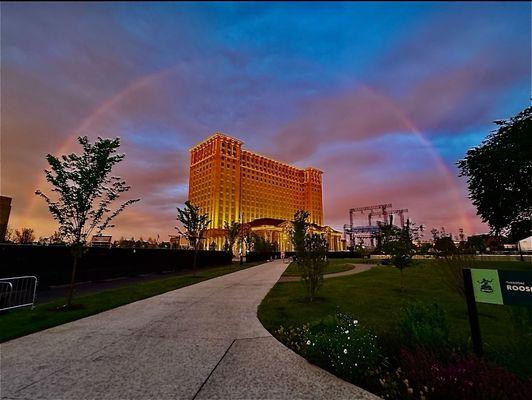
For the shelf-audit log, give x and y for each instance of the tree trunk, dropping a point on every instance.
(72, 280)
(402, 283)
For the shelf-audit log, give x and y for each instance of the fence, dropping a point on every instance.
(52, 265)
(17, 292)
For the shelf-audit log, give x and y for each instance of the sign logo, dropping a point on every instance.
(485, 285)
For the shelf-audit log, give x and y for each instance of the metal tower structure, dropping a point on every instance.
(400, 212)
(365, 231)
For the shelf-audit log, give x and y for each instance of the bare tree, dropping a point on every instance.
(194, 226)
(24, 236)
(85, 192)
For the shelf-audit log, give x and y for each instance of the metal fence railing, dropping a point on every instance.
(19, 291)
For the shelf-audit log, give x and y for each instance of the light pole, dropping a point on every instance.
(240, 240)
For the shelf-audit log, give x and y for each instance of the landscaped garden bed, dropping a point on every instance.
(411, 344)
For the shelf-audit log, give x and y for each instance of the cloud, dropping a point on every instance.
(165, 79)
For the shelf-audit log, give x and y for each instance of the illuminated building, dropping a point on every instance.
(232, 184)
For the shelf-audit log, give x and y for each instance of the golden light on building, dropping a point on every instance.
(233, 184)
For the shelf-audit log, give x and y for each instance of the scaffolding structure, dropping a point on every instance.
(377, 216)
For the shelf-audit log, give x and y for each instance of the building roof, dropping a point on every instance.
(228, 137)
(277, 222)
(266, 221)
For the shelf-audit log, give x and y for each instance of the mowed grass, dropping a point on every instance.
(335, 265)
(16, 323)
(375, 299)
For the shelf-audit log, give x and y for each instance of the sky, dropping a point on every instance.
(383, 97)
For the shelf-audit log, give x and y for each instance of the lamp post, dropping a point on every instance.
(240, 240)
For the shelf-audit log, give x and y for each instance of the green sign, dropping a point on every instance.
(486, 286)
(502, 287)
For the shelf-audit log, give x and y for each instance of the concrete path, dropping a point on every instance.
(199, 342)
(357, 268)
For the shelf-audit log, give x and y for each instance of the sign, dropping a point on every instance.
(502, 287)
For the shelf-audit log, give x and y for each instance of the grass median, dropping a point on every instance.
(16, 323)
(335, 265)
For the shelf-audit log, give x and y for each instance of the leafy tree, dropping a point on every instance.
(194, 226)
(313, 263)
(299, 232)
(520, 230)
(444, 245)
(246, 237)
(261, 245)
(24, 236)
(397, 242)
(232, 233)
(311, 253)
(85, 192)
(476, 243)
(10, 235)
(56, 238)
(499, 172)
(424, 248)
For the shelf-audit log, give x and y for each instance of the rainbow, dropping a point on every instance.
(149, 79)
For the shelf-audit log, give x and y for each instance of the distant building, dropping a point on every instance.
(101, 241)
(525, 244)
(232, 184)
(178, 242)
(5, 210)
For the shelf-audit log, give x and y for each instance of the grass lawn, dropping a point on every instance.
(375, 299)
(335, 265)
(21, 322)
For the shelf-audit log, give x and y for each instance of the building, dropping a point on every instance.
(101, 241)
(233, 184)
(5, 210)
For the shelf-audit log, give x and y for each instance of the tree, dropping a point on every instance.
(520, 230)
(499, 171)
(261, 245)
(56, 238)
(299, 232)
(24, 236)
(232, 233)
(476, 243)
(311, 253)
(194, 226)
(444, 245)
(397, 242)
(246, 237)
(85, 192)
(313, 263)
(10, 235)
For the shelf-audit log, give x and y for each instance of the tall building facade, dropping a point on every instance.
(233, 184)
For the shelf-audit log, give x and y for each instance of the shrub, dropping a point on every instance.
(339, 345)
(466, 377)
(423, 325)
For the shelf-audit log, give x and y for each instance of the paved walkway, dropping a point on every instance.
(200, 342)
(357, 268)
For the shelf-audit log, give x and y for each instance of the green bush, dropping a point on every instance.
(339, 345)
(423, 325)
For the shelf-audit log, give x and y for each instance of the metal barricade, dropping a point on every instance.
(16, 292)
